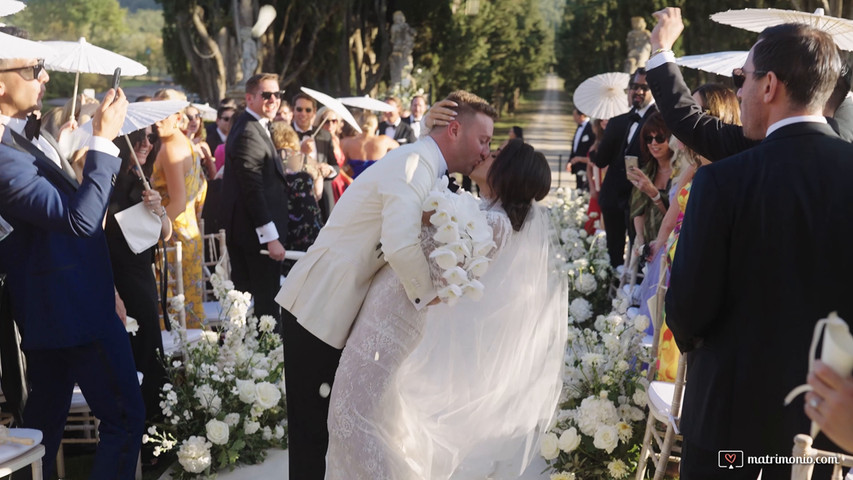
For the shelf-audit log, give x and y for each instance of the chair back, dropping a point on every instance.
(215, 254)
(176, 280)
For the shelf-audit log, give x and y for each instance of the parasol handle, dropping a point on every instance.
(136, 162)
(319, 127)
(74, 98)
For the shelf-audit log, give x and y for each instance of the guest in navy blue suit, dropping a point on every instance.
(59, 273)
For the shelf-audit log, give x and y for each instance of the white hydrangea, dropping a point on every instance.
(580, 309)
(595, 412)
(194, 454)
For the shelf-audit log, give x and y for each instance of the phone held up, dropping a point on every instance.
(630, 161)
(116, 79)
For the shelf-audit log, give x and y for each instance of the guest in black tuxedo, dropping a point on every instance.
(763, 254)
(319, 147)
(418, 107)
(393, 126)
(254, 201)
(621, 137)
(579, 158)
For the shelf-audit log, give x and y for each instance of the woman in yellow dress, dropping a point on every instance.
(179, 178)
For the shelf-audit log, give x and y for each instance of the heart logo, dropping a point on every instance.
(731, 457)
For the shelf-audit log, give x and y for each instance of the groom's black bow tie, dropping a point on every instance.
(634, 117)
(32, 128)
(451, 182)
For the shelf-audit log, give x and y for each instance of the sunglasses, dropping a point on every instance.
(333, 120)
(227, 119)
(639, 87)
(193, 116)
(306, 109)
(152, 137)
(35, 69)
(657, 138)
(269, 95)
(739, 76)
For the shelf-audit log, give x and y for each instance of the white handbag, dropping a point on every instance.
(140, 226)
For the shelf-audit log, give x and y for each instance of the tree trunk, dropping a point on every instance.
(204, 57)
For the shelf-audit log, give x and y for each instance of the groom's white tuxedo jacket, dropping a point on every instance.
(376, 221)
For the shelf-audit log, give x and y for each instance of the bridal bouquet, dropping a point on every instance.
(601, 421)
(464, 238)
(224, 404)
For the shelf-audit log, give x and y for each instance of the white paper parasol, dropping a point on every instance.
(367, 103)
(757, 19)
(719, 63)
(83, 57)
(139, 115)
(16, 47)
(10, 7)
(335, 106)
(603, 96)
(208, 113)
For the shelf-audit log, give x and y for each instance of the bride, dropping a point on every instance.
(465, 391)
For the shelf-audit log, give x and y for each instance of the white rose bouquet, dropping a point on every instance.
(464, 238)
(224, 404)
(601, 420)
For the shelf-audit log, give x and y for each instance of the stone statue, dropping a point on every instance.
(639, 45)
(402, 43)
(249, 46)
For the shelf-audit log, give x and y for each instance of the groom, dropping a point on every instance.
(376, 221)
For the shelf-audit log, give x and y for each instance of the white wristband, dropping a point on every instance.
(656, 198)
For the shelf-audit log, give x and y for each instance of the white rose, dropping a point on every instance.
(641, 323)
(194, 454)
(232, 419)
(250, 427)
(444, 257)
(548, 448)
(569, 440)
(279, 432)
(217, 432)
(247, 391)
(640, 398)
(606, 438)
(268, 395)
(580, 309)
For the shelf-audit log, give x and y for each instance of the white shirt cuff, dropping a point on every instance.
(101, 144)
(663, 57)
(267, 233)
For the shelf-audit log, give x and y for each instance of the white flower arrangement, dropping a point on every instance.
(224, 403)
(601, 417)
(464, 238)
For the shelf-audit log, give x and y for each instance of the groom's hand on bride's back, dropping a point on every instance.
(434, 301)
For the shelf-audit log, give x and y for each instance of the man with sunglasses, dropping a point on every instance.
(319, 146)
(59, 275)
(763, 254)
(621, 137)
(254, 197)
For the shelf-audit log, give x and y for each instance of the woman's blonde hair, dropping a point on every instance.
(283, 136)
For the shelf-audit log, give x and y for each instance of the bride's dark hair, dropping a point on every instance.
(518, 176)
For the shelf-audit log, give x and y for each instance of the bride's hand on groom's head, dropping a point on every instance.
(440, 114)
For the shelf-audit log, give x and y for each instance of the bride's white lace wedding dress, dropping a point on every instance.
(442, 392)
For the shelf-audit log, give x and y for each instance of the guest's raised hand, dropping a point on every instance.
(440, 114)
(668, 28)
(641, 181)
(109, 116)
(308, 147)
(830, 404)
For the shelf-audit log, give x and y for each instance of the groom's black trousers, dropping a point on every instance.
(308, 364)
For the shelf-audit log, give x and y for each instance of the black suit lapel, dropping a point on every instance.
(43, 163)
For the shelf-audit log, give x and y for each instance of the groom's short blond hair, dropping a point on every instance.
(470, 104)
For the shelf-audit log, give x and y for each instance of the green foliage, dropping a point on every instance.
(134, 5)
(100, 21)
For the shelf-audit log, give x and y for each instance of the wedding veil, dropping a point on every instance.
(483, 384)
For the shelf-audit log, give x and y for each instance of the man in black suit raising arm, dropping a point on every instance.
(254, 204)
(763, 254)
